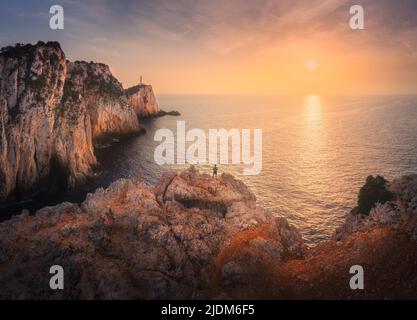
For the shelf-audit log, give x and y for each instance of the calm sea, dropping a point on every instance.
(317, 151)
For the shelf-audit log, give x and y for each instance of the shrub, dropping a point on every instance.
(374, 191)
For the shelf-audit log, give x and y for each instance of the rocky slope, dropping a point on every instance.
(192, 236)
(384, 243)
(134, 241)
(50, 112)
(142, 99)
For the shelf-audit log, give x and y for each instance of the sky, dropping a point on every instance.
(233, 46)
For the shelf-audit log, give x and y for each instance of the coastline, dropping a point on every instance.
(208, 159)
(215, 225)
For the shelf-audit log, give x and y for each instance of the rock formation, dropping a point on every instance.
(92, 85)
(192, 236)
(142, 99)
(162, 113)
(50, 110)
(31, 86)
(400, 214)
(135, 241)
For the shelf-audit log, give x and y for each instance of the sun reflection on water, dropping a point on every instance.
(313, 110)
(312, 121)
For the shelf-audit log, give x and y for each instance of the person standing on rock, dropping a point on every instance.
(215, 171)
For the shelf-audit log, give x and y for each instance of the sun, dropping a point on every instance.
(311, 64)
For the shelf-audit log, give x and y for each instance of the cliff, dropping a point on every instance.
(31, 87)
(103, 97)
(50, 112)
(192, 236)
(142, 99)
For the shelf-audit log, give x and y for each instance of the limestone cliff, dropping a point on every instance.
(103, 97)
(142, 99)
(50, 112)
(31, 86)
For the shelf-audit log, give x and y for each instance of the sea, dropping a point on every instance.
(316, 151)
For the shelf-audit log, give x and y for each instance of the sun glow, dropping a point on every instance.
(311, 64)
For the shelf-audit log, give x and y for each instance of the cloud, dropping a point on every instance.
(181, 34)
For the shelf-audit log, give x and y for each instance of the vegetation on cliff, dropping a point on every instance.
(374, 191)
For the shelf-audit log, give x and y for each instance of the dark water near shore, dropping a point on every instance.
(317, 151)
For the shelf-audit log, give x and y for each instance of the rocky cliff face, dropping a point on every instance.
(31, 86)
(93, 86)
(192, 236)
(134, 241)
(142, 99)
(50, 112)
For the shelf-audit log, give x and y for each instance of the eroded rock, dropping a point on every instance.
(121, 242)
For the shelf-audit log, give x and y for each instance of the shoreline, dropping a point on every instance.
(38, 200)
(215, 225)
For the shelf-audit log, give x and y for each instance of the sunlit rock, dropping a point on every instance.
(123, 243)
(51, 110)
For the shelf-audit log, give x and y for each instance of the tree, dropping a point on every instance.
(373, 191)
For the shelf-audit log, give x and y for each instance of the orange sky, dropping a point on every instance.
(238, 46)
(280, 68)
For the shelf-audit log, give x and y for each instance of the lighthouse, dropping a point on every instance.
(140, 80)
